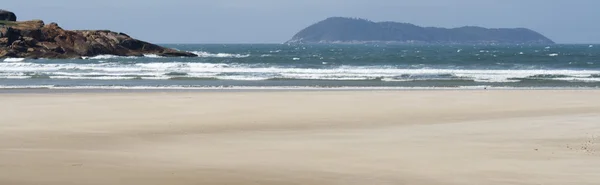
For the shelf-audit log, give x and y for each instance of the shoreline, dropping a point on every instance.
(279, 89)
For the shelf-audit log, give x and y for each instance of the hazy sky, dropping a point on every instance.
(275, 21)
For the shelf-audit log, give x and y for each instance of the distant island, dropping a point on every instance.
(35, 39)
(353, 30)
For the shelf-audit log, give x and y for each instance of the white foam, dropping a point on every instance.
(242, 78)
(396, 80)
(219, 55)
(14, 77)
(158, 70)
(26, 86)
(14, 59)
(574, 79)
(273, 88)
(102, 57)
(553, 54)
(591, 46)
(296, 59)
(93, 78)
(152, 56)
(98, 57)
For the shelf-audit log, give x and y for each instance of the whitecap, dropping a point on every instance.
(396, 80)
(219, 55)
(553, 54)
(296, 59)
(152, 56)
(14, 59)
(575, 79)
(242, 78)
(236, 71)
(93, 78)
(101, 57)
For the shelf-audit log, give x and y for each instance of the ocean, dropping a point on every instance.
(280, 66)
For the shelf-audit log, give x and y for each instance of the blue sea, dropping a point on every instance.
(281, 66)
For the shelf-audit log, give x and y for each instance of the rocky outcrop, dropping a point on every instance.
(7, 16)
(34, 39)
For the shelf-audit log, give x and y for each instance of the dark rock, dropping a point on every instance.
(50, 46)
(4, 31)
(19, 46)
(7, 15)
(30, 42)
(138, 45)
(7, 53)
(177, 54)
(10, 34)
(3, 41)
(33, 33)
(34, 39)
(51, 31)
(349, 30)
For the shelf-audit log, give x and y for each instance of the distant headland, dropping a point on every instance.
(353, 30)
(35, 39)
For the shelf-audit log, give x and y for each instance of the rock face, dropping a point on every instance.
(350, 30)
(7, 16)
(34, 39)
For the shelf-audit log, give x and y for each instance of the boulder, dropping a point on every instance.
(7, 16)
(3, 42)
(10, 34)
(30, 42)
(51, 46)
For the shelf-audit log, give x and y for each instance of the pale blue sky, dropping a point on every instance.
(275, 21)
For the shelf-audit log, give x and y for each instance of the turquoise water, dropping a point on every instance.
(320, 66)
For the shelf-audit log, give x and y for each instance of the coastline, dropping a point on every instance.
(88, 90)
(425, 137)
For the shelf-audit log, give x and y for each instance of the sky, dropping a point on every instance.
(276, 21)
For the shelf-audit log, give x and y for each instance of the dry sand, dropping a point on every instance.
(329, 138)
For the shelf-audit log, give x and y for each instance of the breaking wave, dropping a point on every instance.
(258, 72)
(219, 55)
(14, 59)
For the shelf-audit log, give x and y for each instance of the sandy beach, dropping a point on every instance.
(457, 137)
